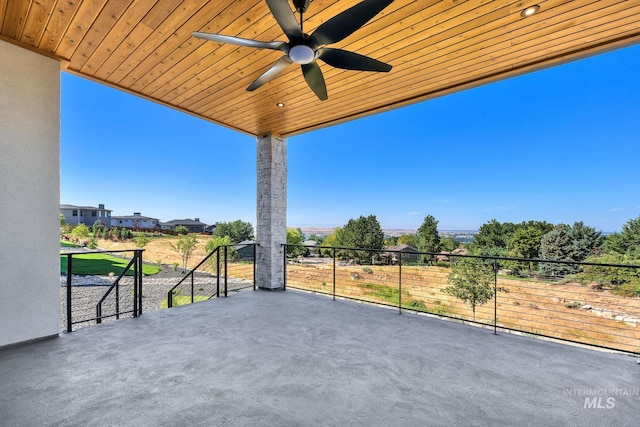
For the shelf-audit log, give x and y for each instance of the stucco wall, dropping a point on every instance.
(29, 195)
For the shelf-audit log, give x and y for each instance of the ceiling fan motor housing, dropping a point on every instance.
(301, 5)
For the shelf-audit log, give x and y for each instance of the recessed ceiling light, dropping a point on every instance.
(280, 104)
(531, 10)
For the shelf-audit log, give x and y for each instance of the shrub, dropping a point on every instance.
(141, 241)
(627, 290)
(181, 229)
(80, 231)
(92, 243)
(573, 304)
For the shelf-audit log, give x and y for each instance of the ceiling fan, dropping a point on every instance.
(305, 49)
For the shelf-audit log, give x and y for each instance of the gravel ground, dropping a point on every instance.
(86, 292)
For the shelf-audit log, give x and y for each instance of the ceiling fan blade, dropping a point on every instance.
(241, 42)
(273, 72)
(315, 80)
(281, 10)
(351, 61)
(347, 22)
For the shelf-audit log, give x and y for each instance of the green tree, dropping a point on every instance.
(62, 220)
(472, 282)
(584, 240)
(390, 241)
(492, 238)
(329, 241)
(525, 242)
(408, 239)
(237, 230)
(630, 236)
(294, 237)
(220, 242)
(613, 244)
(364, 232)
(184, 247)
(449, 243)
(181, 229)
(627, 242)
(427, 235)
(567, 243)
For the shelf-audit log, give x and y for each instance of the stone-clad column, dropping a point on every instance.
(271, 227)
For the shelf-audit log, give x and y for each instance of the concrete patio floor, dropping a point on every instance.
(295, 359)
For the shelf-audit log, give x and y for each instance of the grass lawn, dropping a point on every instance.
(67, 244)
(102, 265)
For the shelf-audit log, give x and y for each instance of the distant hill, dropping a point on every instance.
(464, 236)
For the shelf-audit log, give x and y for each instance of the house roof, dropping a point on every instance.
(88, 208)
(146, 47)
(133, 217)
(184, 222)
(401, 248)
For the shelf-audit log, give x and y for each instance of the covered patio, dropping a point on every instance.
(273, 357)
(383, 54)
(291, 358)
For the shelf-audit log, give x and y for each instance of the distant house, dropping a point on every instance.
(459, 251)
(193, 225)
(87, 215)
(244, 250)
(409, 253)
(135, 221)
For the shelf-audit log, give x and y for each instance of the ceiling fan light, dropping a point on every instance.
(531, 10)
(302, 54)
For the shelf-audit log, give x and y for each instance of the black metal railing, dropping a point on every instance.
(219, 266)
(112, 303)
(579, 302)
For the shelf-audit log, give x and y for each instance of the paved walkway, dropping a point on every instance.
(294, 359)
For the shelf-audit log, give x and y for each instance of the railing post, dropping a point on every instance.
(399, 282)
(192, 274)
(99, 313)
(495, 297)
(69, 279)
(284, 267)
(117, 299)
(135, 283)
(170, 299)
(225, 271)
(140, 283)
(334, 273)
(254, 266)
(218, 272)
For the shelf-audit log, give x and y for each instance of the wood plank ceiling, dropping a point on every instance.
(435, 47)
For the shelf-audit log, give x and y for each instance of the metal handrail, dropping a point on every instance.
(493, 261)
(136, 262)
(488, 257)
(225, 262)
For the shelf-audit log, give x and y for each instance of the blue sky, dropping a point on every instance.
(559, 145)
